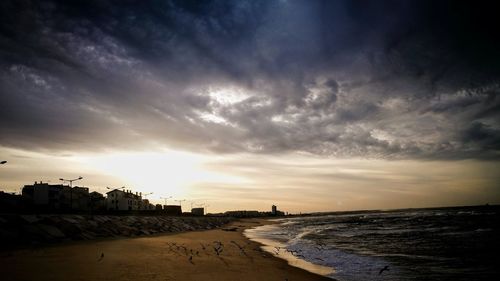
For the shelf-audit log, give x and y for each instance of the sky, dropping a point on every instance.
(309, 105)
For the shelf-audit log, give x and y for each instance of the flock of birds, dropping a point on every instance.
(218, 247)
(298, 253)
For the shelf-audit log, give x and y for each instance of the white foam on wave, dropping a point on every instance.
(348, 266)
(263, 234)
(320, 259)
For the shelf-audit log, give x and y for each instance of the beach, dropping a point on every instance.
(218, 254)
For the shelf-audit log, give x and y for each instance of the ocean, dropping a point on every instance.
(459, 243)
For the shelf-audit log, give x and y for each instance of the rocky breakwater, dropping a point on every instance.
(31, 230)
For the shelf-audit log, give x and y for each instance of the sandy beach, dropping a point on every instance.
(218, 254)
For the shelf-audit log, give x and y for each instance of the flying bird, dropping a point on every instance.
(383, 269)
(277, 250)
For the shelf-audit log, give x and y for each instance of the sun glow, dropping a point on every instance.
(166, 173)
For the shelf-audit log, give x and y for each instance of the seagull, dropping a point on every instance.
(277, 252)
(218, 249)
(383, 269)
(242, 249)
(185, 249)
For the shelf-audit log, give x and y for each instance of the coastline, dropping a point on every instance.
(181, 256)
(278, 249)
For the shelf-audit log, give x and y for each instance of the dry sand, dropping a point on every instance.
(183, 256)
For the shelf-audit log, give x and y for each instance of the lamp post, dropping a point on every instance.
(71, 189)
(145, 198)
(70, 181)
(165, 198)
(107, 187)
(180, 203)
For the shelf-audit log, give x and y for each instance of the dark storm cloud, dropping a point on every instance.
(390, 79)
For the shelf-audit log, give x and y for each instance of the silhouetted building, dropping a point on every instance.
(120, 200)
(10, 202)
(75, 198)
(244, 214)
(97, 201)
(276, 212)
(146, 206)
(43, 196)
(158, 207)
(56, 197)
(175, 210)
(198, 211)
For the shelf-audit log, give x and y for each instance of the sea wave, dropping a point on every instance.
(427, 244)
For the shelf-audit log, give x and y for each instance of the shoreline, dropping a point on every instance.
(278, 250)
(218, 254)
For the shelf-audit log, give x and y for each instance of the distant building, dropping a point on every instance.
(56, 197)
(75, 198)
(175, 210)
(243, 214)
(43, 196)
(10, 202)
(146, 206)
(198, 211)
(276, 212)
(119, 200)
(97, 201)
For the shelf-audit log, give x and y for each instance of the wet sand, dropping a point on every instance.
(183, 256)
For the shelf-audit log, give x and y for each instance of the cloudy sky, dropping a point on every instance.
(310, 105)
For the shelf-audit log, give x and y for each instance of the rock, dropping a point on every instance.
(30, 218)
(18, 229)
(52, 231)
(70, 220)
(70, 230)
(8, 234)
(87, 235)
